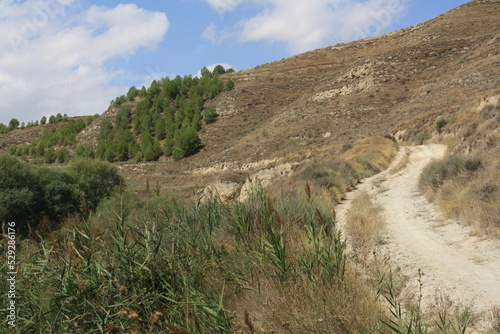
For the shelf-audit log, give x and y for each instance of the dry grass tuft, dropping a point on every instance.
(364, 222)
(177, 330)
(401, 164)
(467, 189)
(495, 319)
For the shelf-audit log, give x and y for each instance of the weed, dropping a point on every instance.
(364, 222)
(421, 138)
(495, 314)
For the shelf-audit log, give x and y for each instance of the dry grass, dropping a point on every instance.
(364, 222)
(401, 164)
(466, 184)
(495, 319)
(474, 198)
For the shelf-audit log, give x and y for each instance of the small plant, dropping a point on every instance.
(440, 123)
(364, 222)
(421, 138)
(436, 172)
(346, 147)
(402, 321)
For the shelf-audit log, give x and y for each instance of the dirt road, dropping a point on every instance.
(454, 264)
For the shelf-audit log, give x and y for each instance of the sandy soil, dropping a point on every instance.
(464, 268)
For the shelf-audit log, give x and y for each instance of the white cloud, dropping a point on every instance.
(305, 25)
(226, 5)
(53, 62)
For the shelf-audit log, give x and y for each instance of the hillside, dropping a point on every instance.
(398, 84)
(319, 101)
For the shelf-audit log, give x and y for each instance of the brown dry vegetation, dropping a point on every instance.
(364, 222)
(466, 184)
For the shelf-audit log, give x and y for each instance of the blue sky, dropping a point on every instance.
(75, 56)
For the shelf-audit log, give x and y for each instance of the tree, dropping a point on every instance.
(205, 72)
(52, 119)
(63, 155)
(13, 124)
(229, 85)
(20, 194)
(210, 115)
(149, 147)
(160, 128)
(50, 155)
(79, 150)
(187, 142)
(60, 194)
(43, 120)
(105, 131)
(132, 93)
(218, 70)
(168, 146)
(95, 179)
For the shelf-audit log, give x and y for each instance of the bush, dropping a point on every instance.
(210, 115)
(29, 195)
(436, 172)
(440, 124)
(421, 138)
(95, 179)
(229, 85)
(20, 194)
(49, 156)
(60, 194)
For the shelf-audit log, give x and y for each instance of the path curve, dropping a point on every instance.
(454, 264)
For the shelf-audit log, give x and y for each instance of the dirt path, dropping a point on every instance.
(454, 264)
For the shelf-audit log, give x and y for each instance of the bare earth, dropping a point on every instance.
(464, 268)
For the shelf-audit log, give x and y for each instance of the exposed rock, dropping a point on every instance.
(226, 191)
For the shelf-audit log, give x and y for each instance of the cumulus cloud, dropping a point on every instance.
(305, 25)
(52, 61)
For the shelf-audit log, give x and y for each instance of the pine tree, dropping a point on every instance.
(50, 155)
(187, 142)
(63, 155)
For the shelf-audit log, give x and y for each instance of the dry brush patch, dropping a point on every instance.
(365, 222)
(467, 189)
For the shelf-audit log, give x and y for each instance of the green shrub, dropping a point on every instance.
(441, 123)
(50, 155)
(95, 179)
(210, 115)
(229, 85)
(61, 196)
(186, 143)
(20, 194)
(436, 172)
(421, 138)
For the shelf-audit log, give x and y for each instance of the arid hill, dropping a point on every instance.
(398, 84)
